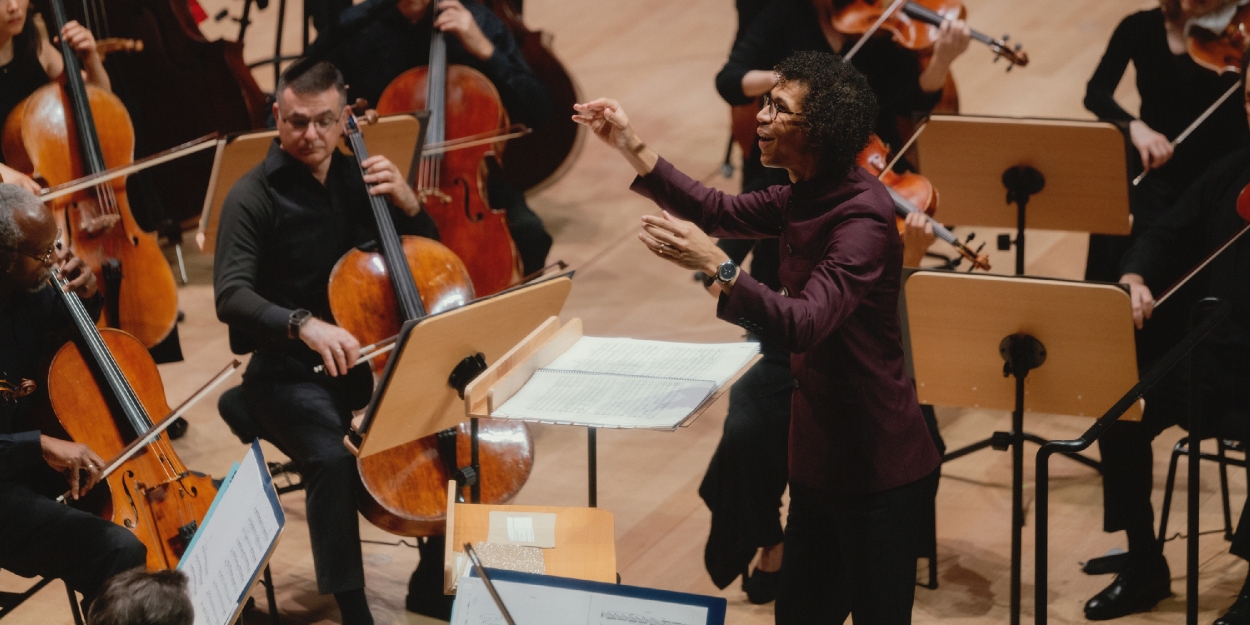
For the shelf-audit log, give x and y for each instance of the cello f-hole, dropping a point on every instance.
(468, 208)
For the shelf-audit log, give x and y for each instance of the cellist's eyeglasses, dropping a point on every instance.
(772, 109)
(46, 257)
(321, 123)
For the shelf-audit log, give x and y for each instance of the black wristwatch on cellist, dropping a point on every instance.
(297, 320)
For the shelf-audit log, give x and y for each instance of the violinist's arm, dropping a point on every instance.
(952, 42)
(757, 82)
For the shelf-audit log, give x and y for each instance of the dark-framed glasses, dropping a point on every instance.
(46, 257)
(321, 123)
(772, 109)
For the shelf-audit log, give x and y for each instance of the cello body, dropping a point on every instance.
(152, 494)
(452, 186)
(41, 134)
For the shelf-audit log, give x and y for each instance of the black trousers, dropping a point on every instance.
(852, 555)
(39, 536)
(527, 230)
(307, 420)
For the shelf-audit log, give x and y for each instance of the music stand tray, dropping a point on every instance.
(395, 136)
(1069, 345)
(1072, 175)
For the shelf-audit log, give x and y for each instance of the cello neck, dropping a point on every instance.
(76, 89)
(402, 282)
(436, 89)
(131, 408)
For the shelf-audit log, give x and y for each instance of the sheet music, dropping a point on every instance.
(605, 400)
(534, 603)
(658, 359)
(230, 547)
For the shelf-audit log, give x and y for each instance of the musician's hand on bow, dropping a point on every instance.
(917, 237)
(73, 460)
(1154, 148)
(13, 176)
(386, 179)
(1143, 300)
(338, 348)
(69, 266)
(455, 19)
(682, 243)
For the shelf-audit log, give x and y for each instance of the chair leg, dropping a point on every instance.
(1228, 517)
(269, 594)
(1177, 450)
(74, 608)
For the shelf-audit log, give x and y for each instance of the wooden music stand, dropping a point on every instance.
(1074, 175)
(396, 136)
(415, 396)
(585, 539)
(1073, 341)
(502, 380)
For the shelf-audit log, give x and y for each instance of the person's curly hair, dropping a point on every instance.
(839, 109)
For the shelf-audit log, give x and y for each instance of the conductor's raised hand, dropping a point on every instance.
(386, 180)
(338, 348)
(1142, 299)
(682, 243)
(607, 120)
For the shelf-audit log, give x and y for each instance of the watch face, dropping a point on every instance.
(727, 271)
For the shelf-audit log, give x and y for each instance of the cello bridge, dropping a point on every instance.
(437, 194)
(93, 225)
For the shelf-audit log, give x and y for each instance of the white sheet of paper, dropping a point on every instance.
(605, 400)
(231, 545)
(531, 529)
(716, 362)
(528, 603)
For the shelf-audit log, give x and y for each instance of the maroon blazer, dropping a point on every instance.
(855, 425)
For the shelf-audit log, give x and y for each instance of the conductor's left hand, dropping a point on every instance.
(681, 243)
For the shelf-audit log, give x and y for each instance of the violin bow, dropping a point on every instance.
(1197, 122)
(136, 445)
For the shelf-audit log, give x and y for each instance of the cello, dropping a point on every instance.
(403, 488)
(68, 130)
(451, 186)
(102, 393)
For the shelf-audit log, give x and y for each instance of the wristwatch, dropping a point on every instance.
(726, 272)
(297, 319)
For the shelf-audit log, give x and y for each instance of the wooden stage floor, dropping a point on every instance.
(659, 57)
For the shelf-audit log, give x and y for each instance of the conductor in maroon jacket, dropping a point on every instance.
(861, 459)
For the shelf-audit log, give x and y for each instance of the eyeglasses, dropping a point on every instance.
(772, 109)
(321, 123)
(44, 258)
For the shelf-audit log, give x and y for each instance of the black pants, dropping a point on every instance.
(307, 420)
(527, 230)
(41, 537)
(852, 555)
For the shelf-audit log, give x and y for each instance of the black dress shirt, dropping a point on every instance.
(788, 26)
(281, 232)
(1174, 91)
(1206, 216)
(32, 327)
(391, 45)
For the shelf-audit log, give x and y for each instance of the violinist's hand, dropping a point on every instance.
(682, 243)
(953, 39)
(81, 279)
(917, 237)
(80, 40)
(455, 19)
(13, 176)
(73, 460)
(338, 348)
(1143, 300)
(608, 121)
(386, 180)
(1154, 148)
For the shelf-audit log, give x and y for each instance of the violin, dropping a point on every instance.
(913, 193)
(403, 488)
(1221, 52)
(66, 130)
(103, 391)
(538, 161)
(451, 185)
(915, 25)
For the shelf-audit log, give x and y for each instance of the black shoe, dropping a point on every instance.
(177, 428)
(1239, 613)
(425, 587)
(761, 586)
(1137, 589)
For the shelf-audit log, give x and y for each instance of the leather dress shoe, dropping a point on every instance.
(1137, 589)
(761, 586)
(1239, 613)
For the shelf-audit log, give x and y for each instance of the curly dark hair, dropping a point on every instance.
(839, 109)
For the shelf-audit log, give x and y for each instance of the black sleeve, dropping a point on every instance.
(1100, 91)
(894, 74)
(762, 46)
(244, 218)
(19, 451)
(525, 98)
